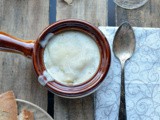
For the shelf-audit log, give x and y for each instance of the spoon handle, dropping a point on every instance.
(122, 108)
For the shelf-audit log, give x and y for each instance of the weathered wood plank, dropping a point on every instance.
(145, 16)
(23, 19)
(95, 12)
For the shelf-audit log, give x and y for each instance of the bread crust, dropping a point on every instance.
(8, 106)
(26, 115)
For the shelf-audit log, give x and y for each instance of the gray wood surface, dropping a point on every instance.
(95, 12)
(145, 16)
(23, 19)
(27, 18)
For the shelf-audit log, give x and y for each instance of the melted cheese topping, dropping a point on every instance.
(71, 57)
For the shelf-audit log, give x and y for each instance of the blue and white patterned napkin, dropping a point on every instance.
(142, 78)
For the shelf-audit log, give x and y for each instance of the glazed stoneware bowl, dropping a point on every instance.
(34, 50)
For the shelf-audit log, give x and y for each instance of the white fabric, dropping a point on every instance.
(142, 78)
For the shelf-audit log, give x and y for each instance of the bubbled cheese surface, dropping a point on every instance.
(71, 57)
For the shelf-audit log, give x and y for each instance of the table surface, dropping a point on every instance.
(27, 18)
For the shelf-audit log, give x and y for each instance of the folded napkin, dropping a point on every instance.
(142, 78)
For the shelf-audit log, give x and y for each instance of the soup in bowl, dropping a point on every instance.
(71, 57)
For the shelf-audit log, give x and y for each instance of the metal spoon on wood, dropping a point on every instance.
(123, 48)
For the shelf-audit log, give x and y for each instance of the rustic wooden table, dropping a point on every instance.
(27, 18)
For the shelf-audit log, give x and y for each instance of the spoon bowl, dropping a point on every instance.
(124, 42)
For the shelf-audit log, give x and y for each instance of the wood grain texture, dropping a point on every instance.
(24, 19)
(95, 12)
(145, 16)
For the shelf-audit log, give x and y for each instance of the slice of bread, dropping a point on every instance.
(26, 115)
(8, 106)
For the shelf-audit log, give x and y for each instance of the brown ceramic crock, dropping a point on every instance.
(34, 50)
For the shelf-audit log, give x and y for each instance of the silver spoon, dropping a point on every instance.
(123, 48)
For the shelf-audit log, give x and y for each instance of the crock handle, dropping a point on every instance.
(9, 43)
